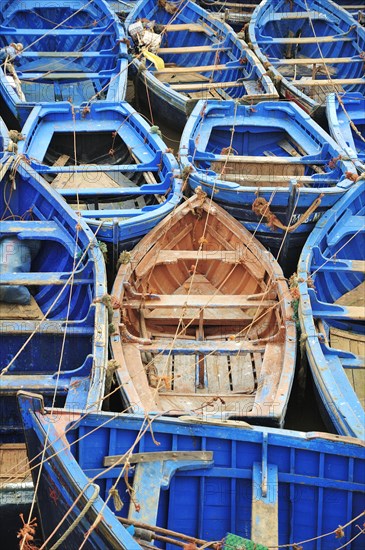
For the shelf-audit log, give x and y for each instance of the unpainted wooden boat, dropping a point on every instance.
(73, 53)
(201, 58)
(205, 322)
(311, 48)
(176, 483)
(236, 13)
(53, 330)
(346, 121)
(106, 161)
(271, 166)
(331, 275)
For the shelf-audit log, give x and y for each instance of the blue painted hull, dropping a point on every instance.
(235, 14)
(229, 479)
(279, 154)
(333, 258)
(340, 120)
(139, 183)
(57, 345)
(66, 56)
(216, 44)
(309, 30)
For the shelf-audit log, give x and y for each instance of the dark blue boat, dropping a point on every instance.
(234, 12)
(53, 334)
(108, 163)
(331, 275)
(346, 121)
(164, 477)
(199, 57)
(66, 53)
(311, 48)
(271, 166)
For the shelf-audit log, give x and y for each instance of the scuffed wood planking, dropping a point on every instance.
(242, 373)
(185, 373)
(217, 369)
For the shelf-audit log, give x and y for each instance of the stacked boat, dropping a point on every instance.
(149, 335)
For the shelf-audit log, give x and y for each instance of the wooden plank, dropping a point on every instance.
(83, 180)
(172, 256)
(244, 159)
(163, 365)
(137, 373)
(217, 370)
(229, 347)
(242, 373)
(188, 403)
(185, 373)
(316, 61)
(306, 40)
(201, 301)
(358, 265)
(17, 311)
(192, 49)
(197, 69)
(267, 178)
(353, 343)
(190, 27)
(207, 85)
(182, 78)
(353, 297)
(14, 464)
(265, 505)
(328, 82)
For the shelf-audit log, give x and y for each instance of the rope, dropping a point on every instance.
(80, 517)
(261, 207)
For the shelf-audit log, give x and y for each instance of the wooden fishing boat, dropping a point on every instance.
(331, 272)
(235, 13)
(272, 167)
(53, 333)
(346, 121)
(197, 57)
(165, 477)
(70, 53)
(311, 48)
(107, 162)
(205, 322)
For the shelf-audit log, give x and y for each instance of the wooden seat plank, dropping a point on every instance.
(207, 85)
(200, 301)
(316, 60)
(328, 82)
(197, 69)
(242, 373)
(185, 373)
(306, 40)
(217, 371)
(229, 347)
(192, 49)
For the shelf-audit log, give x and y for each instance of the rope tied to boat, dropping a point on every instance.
(26, 534)
(117, 501)
(167, 6)
(79, 518)
(261, 207)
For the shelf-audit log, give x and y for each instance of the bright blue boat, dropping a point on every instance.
(108, 163)
(271, 166)
(4, 138)
(174, 480)
(71, 53)
(343, 113)
(331, 276)
(311, 48)
(53, 334)
(201, 59)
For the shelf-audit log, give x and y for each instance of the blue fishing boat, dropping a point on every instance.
(236, 13)
(59, 52)
(217, 336)
(346, 121)
(310, 48)
(184, 55)
(331, 275)
(53, 330)
(108, 163)
(127, 481)
(4, 139)
(271, 166)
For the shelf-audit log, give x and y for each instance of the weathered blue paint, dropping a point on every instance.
(71, 53)
(120, 144)
(340, 118)
(172, 105)
(333, 257)
(334, 33)
(314, 480)
(259, 132)
(66, 356)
